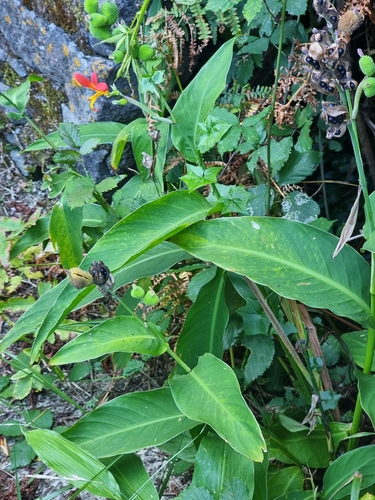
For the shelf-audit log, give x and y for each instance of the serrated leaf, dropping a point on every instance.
(300, 207)
(79, 190)
(89, 146)
(197, 177)
(69, 133)
(280, 152)
(262, 352)
(304, 142)
(109, 183)
(296, 7)
(251, 9)
(298, 167)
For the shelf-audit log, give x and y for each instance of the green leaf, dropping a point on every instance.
(132, 478)
(300, 207)
(118, 334)
(293, 259)
(105, 132)
(197, 99)
(118, 147)
(21, 454)
(280, 151)
(194, 493)
(366, 386)
(89, 146)
(32, 236)
(356, 342)
(93, 215)
(109, 183)
(337, 479)
(304, 142)
(284, 481)
(65, 233)
(69, 133)
(197, 177)
(78, 191)
(16, 98)
(251, 9)
(129, 423)
(298, 167)
(210, 394)
(217, 463)
(205, 323)
(73, 463)
(233, 198)
(296, 7)
(258, 200)
(262, 352)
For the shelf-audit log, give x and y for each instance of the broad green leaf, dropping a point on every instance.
(75, 464)
(155, 261)
(284, 481)
(132, 478)
(129, 423)
(65, 233)
(210, 394)
(197, 99)
(298, 495)
(118, 334)
(294, 443)
(205, 323)
(194, 493)
(366, 386)
(106, 132)
(216, 463)
(356, 342)
(93, 215)
(17, 97)
(337, 479)
(21, 454)
(293, 259)
(304, 142)
(135, 234)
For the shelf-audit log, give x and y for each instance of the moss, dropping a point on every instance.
(67, 14)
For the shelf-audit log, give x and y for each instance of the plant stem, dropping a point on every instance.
(178, 360)
(272, 111)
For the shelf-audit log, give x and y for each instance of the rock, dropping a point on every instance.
(52, 40)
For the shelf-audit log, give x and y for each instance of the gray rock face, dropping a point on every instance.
(53, 41)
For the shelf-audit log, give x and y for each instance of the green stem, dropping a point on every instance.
(178, 360)
(270, 120)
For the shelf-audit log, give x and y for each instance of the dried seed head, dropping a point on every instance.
(79, 278)
(350, 21)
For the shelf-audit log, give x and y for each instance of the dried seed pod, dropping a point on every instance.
(349, 22)
(323, 82)
(79, 278)
(334, 51)
(334, 113)
(327, 11)
(336, 131)
(342, 70)
(347, 83)
(322, 36)
(102, 276)
(315, 55)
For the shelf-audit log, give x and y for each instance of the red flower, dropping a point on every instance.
(100, 88)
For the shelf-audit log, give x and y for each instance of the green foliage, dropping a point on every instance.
(212, 256)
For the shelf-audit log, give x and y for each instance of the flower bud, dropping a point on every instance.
(118, 56)
(150, 299)
(98, 20)
(110, 11)
(369, 87)
(145, 52)
(79, 278)
(137, 292)
(91, 6)
(100, 33)
(367, 65)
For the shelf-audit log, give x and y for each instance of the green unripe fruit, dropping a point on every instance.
(91, 6)
(100, 33)
(150, 299)
(118, 56)
(137, 292)
(98, 20)
(110, 11)
(146, 52)
(369, 87)
(367, 65)
(123, 102)
(116, 31)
